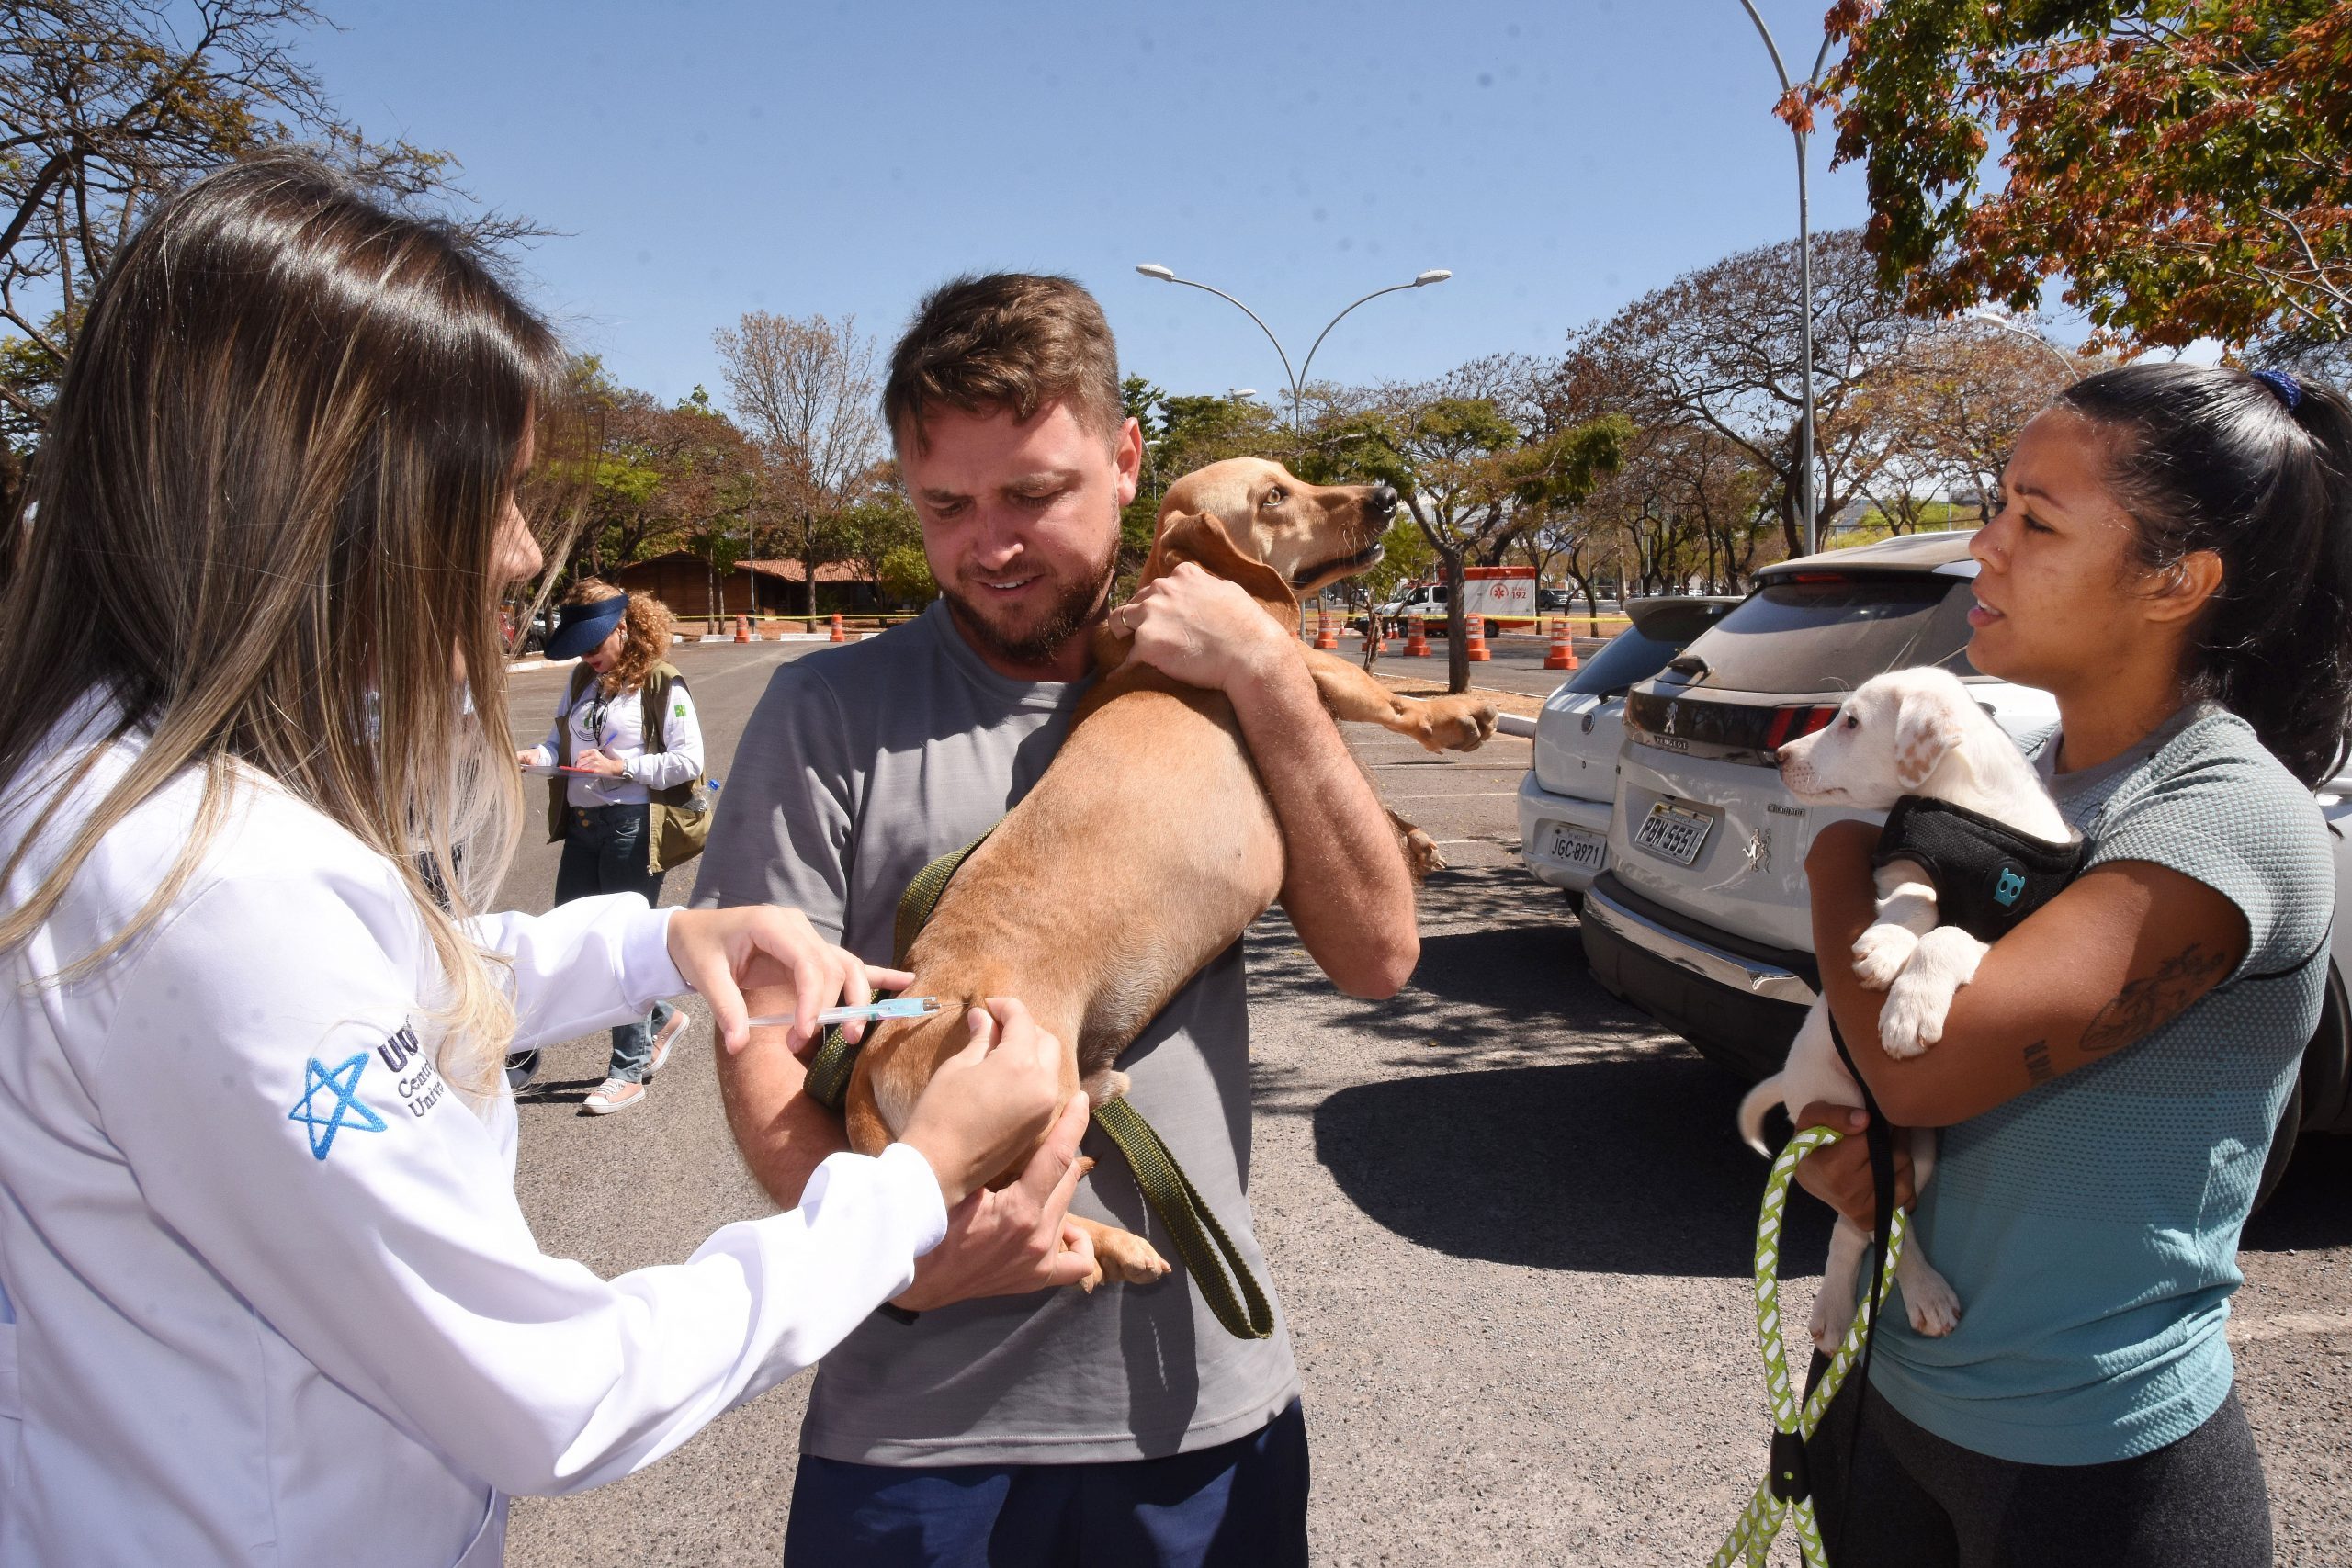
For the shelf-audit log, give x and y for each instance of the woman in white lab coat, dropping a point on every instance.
(265, 1294)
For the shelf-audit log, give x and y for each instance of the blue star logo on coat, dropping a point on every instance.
(342, 1086)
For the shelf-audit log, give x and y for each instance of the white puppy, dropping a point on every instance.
(1907, 732)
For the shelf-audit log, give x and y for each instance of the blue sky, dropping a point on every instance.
(706, 159)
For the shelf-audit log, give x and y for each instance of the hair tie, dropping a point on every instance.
(2289, 390)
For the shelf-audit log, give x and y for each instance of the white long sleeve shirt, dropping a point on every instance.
(617, 727)
(266, 1293)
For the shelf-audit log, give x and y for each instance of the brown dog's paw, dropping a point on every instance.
(1421, 856)
(1126, 1257)
(1466, 722)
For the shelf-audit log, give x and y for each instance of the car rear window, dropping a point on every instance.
(1833, 634)
(1641, 651)
(1628, 656)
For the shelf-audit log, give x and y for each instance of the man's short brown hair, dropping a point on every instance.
(1009, 341)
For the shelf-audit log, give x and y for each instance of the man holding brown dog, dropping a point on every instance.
(1041, 1424)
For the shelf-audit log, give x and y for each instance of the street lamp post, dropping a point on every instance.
(1993, 318)
(1804, 268)
(1297, 378)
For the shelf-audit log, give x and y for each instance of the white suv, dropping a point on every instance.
(1702, 916)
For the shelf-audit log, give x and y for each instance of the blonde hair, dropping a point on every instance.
(266, 520)
(650, 626)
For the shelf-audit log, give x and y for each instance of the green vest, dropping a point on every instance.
(674, 828)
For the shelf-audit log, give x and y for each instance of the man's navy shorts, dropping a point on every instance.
(1240, 1505)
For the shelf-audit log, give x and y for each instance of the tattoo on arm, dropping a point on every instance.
(2144, 1006)
(2037, 1062)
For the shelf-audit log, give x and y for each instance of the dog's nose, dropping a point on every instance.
(1382, 502)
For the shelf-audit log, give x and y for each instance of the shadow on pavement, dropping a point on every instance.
(556, 1091)
(1622, 1166)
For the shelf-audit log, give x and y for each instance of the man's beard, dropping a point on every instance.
(1062, 620)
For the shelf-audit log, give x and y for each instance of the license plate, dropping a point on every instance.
(1577, 848)
(1674, 832)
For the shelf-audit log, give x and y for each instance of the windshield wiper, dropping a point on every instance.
(1690, 664)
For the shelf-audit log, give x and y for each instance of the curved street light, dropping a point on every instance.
(1297, 378)
(1992, 318)
(1805, 253)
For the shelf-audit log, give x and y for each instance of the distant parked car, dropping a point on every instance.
(1566, 799)
(1702, 916)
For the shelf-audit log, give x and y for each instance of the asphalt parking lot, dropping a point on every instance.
(1510, 1221)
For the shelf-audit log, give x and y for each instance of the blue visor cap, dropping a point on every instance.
(581, 628)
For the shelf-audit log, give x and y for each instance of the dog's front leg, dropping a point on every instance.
(1457, 723)
(1906, 912)
(1921, 996)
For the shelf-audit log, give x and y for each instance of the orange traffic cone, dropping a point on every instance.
(1416, 638)
(1473, 645)
(1562, 654)
(742, 629)
(840, 634)
(1326, 634)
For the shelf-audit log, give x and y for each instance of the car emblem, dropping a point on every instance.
(1673, 712)
(1760, 850)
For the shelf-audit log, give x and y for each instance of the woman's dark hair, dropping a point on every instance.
(2258, 471)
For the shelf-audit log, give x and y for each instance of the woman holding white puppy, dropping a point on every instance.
(2173, 561)
(265, 1294)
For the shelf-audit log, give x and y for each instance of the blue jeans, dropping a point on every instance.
(1239, 1505)
(604, 851)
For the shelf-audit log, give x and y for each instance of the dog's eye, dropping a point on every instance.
(1852, 723)
(1275, 497)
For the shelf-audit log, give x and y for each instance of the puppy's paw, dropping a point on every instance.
(1912, 1019)
(1126, 1257)
(1827, 1328)
(1930, 1304)
(1880, 953)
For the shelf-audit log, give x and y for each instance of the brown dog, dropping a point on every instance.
(1066, 903)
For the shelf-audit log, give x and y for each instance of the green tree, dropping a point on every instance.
(106, 105)
(1405, 557)
(1473, 478)
(2186, 165)
(905, 577)
(1182, 434)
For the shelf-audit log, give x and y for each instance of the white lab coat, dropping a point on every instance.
(266, 1293)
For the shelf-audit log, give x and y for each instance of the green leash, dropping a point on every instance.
(1785, 1496)
(1235, 1298)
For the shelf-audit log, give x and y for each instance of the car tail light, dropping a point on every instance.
(1793, 724)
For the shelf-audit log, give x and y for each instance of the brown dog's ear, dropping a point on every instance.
(1204, 540)
(1927, 731)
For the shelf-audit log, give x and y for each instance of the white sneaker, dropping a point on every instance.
(613, 1094)
(664, 1040)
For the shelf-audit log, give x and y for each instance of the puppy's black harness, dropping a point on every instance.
(1988, 876)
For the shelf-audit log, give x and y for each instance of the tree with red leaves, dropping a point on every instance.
(2187, 165)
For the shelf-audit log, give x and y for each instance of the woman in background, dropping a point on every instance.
(627, 722)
